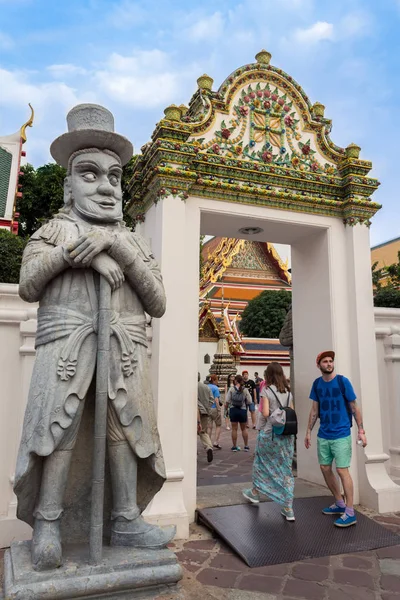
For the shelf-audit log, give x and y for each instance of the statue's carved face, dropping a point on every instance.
(95, 184)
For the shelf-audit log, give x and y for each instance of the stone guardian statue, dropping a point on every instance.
(61, 269)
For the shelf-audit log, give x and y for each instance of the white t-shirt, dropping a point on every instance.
(246, 397)
(285, 398)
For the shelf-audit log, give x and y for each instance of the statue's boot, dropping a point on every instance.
(128, 527)
(46, 551)
(139, 534)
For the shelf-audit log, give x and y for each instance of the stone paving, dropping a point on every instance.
(212, 571)
(222, 574)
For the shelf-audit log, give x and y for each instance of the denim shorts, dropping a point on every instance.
(238, 415)
(251, 407)
(338, 450)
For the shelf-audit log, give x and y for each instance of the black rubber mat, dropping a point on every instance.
(261, 536)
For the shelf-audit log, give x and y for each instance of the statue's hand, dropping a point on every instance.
(86, 247)
(104, 264)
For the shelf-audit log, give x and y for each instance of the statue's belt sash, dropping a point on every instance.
(55, 323)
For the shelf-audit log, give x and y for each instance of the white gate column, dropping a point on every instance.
(165, 229)
(376, 488)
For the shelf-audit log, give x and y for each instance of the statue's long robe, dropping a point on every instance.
(66, 346)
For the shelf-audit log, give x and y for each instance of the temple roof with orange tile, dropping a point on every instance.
(234, 272)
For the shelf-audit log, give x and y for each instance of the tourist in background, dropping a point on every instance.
(215, 412)
(272, 467)
(251, 387)
(204, 402)
(237, 401)
(230, 382)
(257, 381)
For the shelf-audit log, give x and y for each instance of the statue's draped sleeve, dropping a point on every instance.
(43, 259)
(141, 270)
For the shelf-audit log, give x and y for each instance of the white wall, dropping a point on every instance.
(17, 335)
(204, 348)
(387, 332)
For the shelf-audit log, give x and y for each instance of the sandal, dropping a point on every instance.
(217, 446)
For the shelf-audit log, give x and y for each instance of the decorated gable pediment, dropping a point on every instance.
(257, 140)
(265, 125)
(245, 257)
(208, 327)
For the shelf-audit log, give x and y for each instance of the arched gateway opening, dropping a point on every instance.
(256, 153)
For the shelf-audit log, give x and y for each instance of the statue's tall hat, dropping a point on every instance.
(90, 126)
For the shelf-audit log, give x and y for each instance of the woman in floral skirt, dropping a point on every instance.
(272, 467)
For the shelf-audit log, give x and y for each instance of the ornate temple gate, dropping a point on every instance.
(255, 158)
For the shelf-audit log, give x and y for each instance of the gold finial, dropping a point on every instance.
(184, 109)
(173, 112)
(205, 82)
(29, 123)
(353, 151)
(263, 57)
(318, 109)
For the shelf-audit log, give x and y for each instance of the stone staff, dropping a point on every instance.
(100, 422)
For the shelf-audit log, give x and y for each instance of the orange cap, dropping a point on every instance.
(324, 354)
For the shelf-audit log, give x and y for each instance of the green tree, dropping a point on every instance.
(393, 273)
(11, 249)
(42, 196)
(386, 281)
(264, 315)
(377, 276)
(387, 296)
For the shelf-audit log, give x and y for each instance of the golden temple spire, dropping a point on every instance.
(29, 123)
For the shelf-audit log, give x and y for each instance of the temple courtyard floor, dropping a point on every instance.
(213, 571)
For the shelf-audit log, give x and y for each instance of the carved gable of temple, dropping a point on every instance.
(256, 140)
(233, 258)
(208, 327)
(254, 257)
(265, 124)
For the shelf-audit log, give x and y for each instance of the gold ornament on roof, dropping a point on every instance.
(205, 82)
(173, 112)
(29, 123)
(353, 151)
(318, 109)
(263, 57)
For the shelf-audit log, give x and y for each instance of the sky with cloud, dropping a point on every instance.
(136, 57)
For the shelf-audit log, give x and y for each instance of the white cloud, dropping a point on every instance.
(65, 70)
(321, 30)
(206, 29)
(6, 42)
(143, 59)
(18, 90)
(355, 24)
(126, 15)
(145, 79)
(51, 102)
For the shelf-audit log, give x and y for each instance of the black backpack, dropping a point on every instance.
(342, 391)
(291, 426)
(237, 398)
